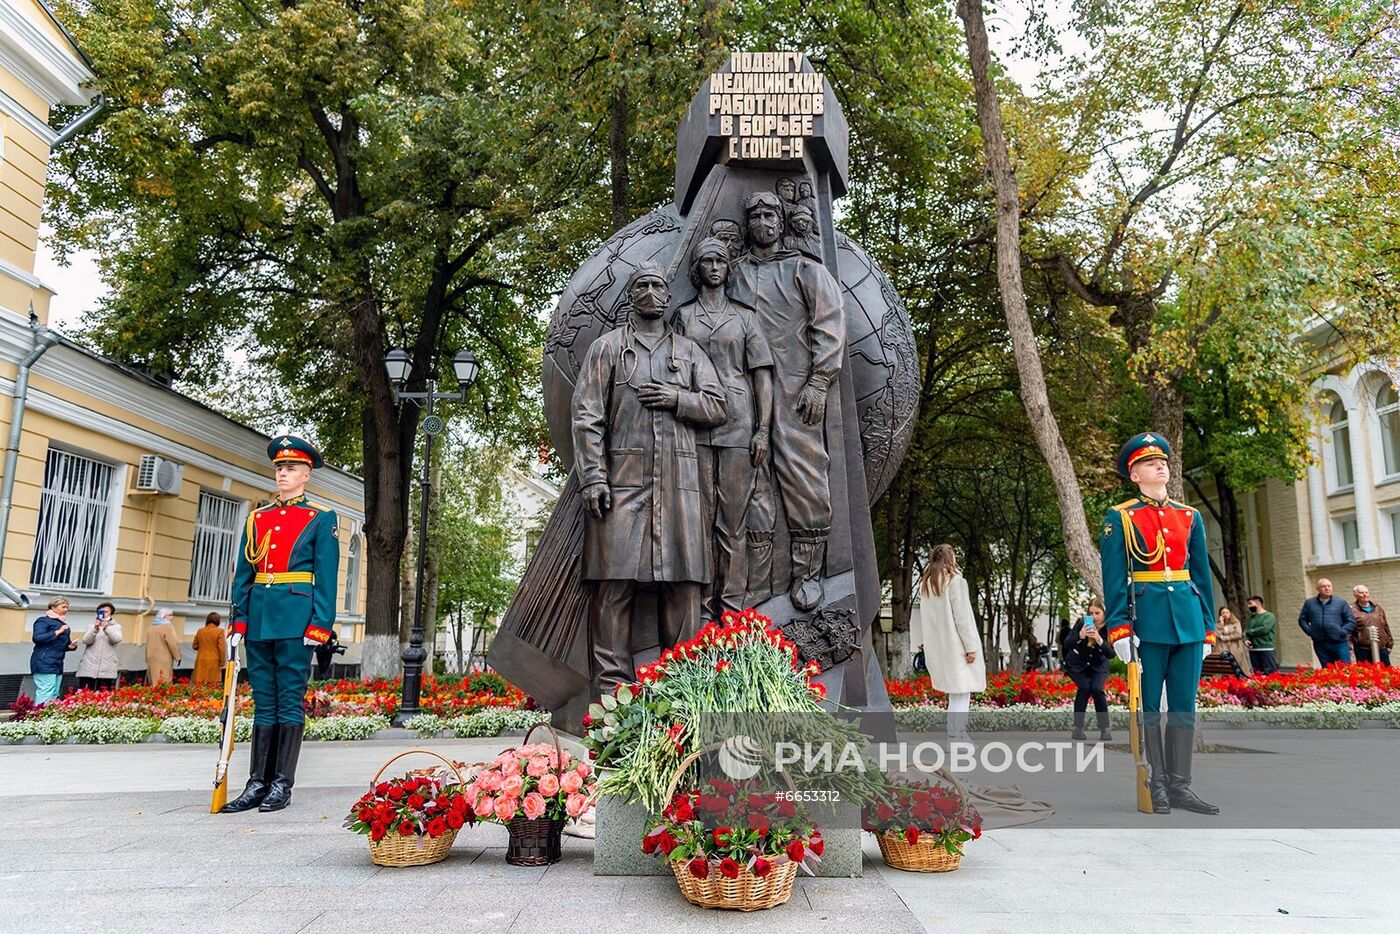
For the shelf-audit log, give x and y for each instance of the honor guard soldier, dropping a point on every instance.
(284, 591)
(1156, 571)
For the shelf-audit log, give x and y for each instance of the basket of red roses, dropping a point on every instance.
(922, 827)
(412, 821)
(733, 845)
(533, 790)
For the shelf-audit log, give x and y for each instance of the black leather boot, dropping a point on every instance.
(1104, 735)
(1157, 769)
(279, 795)
(1180, 743)
(259, 771)
(1078, 726)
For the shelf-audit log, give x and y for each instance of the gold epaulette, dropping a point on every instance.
(319, 507)
(1132, 502)
(1179, 505)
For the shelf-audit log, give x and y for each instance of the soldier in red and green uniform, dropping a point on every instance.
(284, 591)
(1157, 547)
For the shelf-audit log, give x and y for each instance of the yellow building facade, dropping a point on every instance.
(1342, 521)
(115, 487)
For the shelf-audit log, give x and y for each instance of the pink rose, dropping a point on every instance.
(513, 787)
(576, 805)
(583, 769)
(490, 782)
(538, 766)
(506, 808)
(511, 766)
(484, 806)
(570, 783)
(549, 784)
(534, 805)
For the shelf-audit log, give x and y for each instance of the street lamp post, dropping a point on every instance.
(465, 368)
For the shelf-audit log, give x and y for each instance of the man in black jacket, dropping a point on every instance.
(1328, 621)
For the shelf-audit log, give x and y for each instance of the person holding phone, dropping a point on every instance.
(53, 639)
(97, 670)
(1087, 654)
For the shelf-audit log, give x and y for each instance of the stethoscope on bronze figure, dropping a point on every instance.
(628, 336)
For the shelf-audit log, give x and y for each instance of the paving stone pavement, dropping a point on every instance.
(83, 848)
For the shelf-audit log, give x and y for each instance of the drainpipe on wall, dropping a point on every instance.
(43, 340)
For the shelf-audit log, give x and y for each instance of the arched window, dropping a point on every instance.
(1388, 413)
(1341, 445)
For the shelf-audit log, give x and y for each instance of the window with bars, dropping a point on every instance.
(71, 542)
(216, 528)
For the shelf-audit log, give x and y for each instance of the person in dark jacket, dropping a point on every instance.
(325, 655)
(1087, 653)
(1328, 622)
(52, 641)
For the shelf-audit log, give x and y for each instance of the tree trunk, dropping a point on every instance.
(407, 582)
(1232, 540)
(1034, 394)
(385, 493)
(618, 138)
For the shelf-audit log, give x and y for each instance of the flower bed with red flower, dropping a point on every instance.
(923, 811)
(413, 806)
(532, 782)
(728, 828)
(445, 696)
(1363, 685)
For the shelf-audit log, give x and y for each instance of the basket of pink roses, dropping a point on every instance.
(532, 790)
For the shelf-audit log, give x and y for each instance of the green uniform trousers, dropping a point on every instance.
(278, 670)
(1178, 667)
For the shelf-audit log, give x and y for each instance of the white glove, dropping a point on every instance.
(1205, 651)
(233, 639)
(307, 640)
(1122, 649)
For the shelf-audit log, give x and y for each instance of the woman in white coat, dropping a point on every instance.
(952, 648)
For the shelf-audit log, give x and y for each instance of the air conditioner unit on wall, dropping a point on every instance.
(158, 475)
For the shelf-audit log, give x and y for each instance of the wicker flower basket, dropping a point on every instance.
(928, 855)
(399, 851)
(536, 842)
(748, 892)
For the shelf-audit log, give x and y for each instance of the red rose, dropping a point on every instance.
(415, 801)
(760, 823)
(668, 842)
(396, 793)
(649, 843)
(722, 836)
(377, 832)
(817, 845)
(787, 809)
(455, 820)
(761, 867)
(912, 835)
(381, 789)
(406, 828)
(883, 811)
(698, 868)
(442, 803)
(365, 815)
(728, 868)
(947, 806)
(437, 827)
(685, 811)
(795, 851)
(587, 720)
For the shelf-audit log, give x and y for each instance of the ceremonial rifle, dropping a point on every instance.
(1137, 733)
(227, 718)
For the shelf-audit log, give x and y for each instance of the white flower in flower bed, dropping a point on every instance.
(346, 728)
